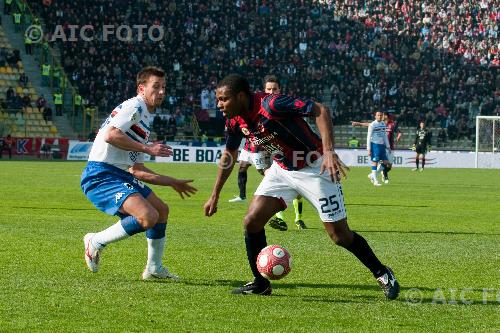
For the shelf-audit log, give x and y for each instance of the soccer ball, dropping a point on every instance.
(274, 262)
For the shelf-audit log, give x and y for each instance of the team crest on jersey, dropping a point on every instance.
(135, 117)
(245, 131)
(260, 127)
(129, 186)
(118, 196)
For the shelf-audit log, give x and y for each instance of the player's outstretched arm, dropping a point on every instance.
(226, 164)
(331, 161)
(117, 138)
(361, 124)
(181, 186)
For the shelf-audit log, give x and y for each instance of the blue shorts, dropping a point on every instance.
(107, 186)
(378, 152)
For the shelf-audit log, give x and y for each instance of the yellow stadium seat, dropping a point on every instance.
(3, 70)
(19, 90)
(8, 70)
(53, 129)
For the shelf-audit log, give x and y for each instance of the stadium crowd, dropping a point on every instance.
(433, 60)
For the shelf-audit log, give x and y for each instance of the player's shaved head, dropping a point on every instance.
(145, 73)
(235, 84)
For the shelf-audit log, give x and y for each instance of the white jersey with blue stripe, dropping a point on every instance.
(377, 134)
(132, 118)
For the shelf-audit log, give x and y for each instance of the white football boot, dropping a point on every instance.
(374, 180)
(159, 274)
(237, 199)
(92, 254)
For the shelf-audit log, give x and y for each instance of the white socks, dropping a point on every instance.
(155, 253)
(109, 235)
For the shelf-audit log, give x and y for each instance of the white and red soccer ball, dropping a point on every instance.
(274, 262)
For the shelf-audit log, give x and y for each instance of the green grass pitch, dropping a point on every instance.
(439, 230)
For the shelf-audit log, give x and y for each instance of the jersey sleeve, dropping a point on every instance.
(126, 116)
(369, 136)
(282, 106)
(233, 136)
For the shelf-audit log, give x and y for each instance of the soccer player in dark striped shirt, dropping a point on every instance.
(305, 165)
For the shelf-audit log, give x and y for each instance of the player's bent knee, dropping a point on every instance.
(251, 223)
(148, 219)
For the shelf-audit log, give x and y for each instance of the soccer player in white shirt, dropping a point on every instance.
(114, 175)
(377, 145)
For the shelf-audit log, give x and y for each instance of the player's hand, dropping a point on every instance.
(210, 206)
(182, 187)
(335, 167)
(413, 148)
(369, 153)
(354, 123)
(159, 149)
(429, 148)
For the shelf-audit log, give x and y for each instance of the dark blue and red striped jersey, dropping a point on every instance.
(391, 128)
(275, 123)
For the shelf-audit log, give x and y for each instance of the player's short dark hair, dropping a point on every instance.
(271, 78)
(145, 73)
(235, 83)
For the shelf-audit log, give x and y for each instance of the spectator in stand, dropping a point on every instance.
(23, 80)
(376, 55)
(8, 145)
(47, 113)
(26, 100)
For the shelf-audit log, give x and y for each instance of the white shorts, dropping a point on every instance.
(326, 196)
(257, 159)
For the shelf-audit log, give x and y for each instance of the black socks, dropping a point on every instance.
(242, 184)
(255, 242)
(360, 248)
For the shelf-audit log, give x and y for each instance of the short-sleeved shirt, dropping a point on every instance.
(132, 118)
(276, 124)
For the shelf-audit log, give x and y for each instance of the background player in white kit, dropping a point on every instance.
(377, 145)
(114, 175)
(393, 134)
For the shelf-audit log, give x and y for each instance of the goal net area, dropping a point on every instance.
(487, 142)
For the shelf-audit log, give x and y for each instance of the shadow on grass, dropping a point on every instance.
(406, 296)
(428, 232)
